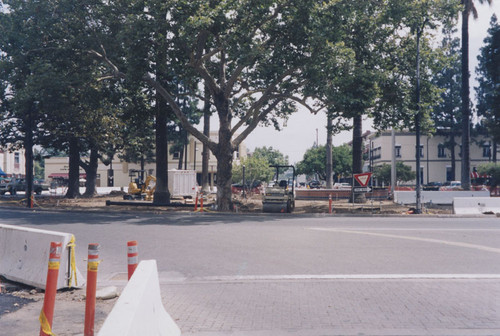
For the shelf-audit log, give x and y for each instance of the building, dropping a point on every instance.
(435, 156)
(118, 173)
(13, 163)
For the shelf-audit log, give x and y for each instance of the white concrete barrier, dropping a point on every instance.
(24, 256)
(436, 197)
(139, 310)
(476, 205)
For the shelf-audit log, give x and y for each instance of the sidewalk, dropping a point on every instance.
(300, 307)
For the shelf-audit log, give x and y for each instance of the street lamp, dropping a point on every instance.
(194, 159)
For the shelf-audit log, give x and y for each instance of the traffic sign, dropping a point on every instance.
(363, 179)
(361, 189)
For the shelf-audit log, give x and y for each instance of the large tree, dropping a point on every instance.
(250, 55)
(446, 113)
(488, 91)
(468, 9)
(51, 96)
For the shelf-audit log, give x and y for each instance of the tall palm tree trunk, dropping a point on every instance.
(465, 177)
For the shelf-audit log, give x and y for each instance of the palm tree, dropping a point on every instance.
(469, 7)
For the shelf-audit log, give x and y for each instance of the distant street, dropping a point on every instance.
(303, 275)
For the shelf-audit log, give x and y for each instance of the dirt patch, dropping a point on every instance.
(251, 204)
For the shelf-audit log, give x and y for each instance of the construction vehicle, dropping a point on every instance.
(138, 189)
(280, 195)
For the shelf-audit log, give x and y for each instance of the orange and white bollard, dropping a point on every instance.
(49, 299)
(330, 203)
(201, 203)
(132, 257)
(196, 202)
(92, 265)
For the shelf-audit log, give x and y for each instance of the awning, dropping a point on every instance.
(64, 175)
(2, 173)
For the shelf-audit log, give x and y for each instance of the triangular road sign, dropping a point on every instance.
(363, 179)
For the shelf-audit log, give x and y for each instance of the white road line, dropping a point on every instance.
(120, 278)
(346, 277)
(411, 229)
(427, 240)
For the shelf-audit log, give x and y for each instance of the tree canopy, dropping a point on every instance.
(403, 173)
(314, 162)
(488, 90)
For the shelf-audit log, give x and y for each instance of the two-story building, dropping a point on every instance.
(117, 174)
(435, 155)
(12, 163)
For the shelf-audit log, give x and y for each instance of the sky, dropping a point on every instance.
(302, 128)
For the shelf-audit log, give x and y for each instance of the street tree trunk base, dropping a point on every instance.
(358, 198)
(161, 198)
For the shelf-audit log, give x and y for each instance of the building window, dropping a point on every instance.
(441, 151)
(449, 175)
(421, 151)
(16, 160)
(176, 155)
(376, 153)
(397, 151)
(486, 150)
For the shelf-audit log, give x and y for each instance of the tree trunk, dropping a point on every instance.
(495, 151)
(329, 163)
(357, 154)
(91, 174)
(224, 172)
(161, 194)
(205, 187)
(28, 143)
(465, 99)
(453, 158)
(224, 155)
(74, 169)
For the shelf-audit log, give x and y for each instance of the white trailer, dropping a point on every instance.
(182, 183)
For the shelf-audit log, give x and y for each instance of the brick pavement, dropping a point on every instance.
(336, 307)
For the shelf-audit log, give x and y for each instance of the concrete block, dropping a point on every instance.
(436, 197)
(139, 310)
(24, 256)
(476, 205)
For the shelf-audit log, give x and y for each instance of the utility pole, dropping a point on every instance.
(393, 162)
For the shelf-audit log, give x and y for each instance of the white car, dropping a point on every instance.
(342, 186)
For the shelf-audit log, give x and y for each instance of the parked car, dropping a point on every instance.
(3, 185)
(314, 184)
(432, 186)
(452, 185)
(19, 184)
(255, 188)
(342, 186)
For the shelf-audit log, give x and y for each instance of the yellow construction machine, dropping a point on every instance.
(139, 190)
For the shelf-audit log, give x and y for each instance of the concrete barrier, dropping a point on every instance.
(323, 194)
(24, 256)
(139, 310)
(436, 197)
(476, 205)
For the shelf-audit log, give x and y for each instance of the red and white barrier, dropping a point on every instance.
(49, 299)
(132, 257)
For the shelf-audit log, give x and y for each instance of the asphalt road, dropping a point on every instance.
(303, 275)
